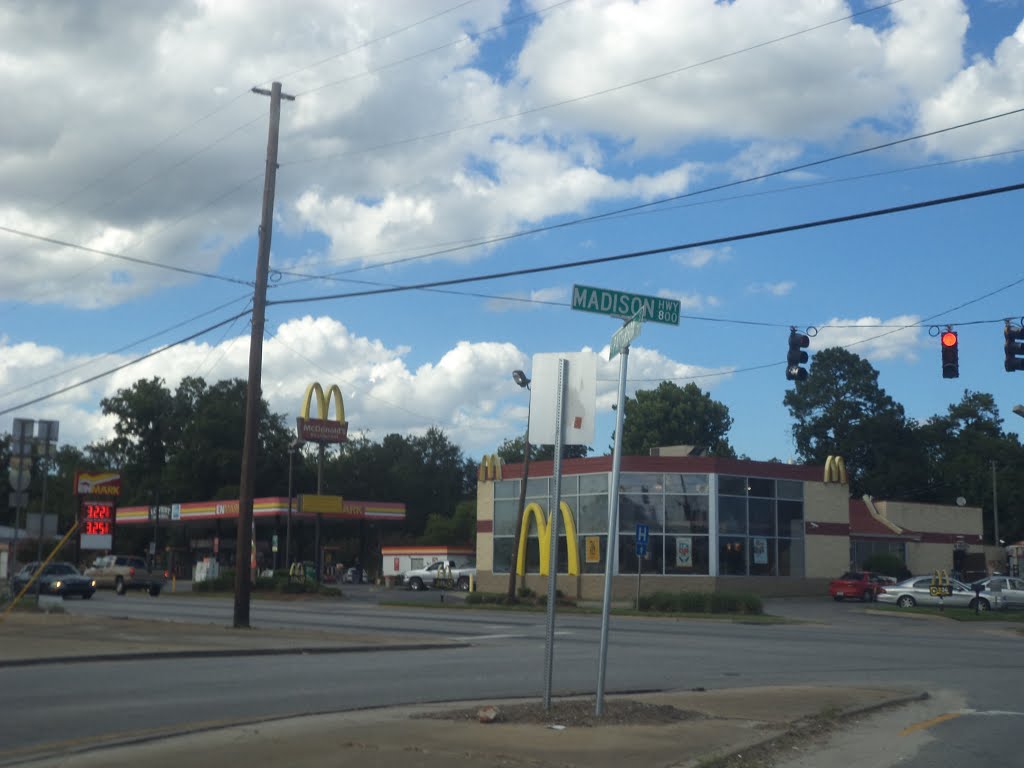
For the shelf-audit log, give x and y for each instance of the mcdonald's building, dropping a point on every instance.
(711, 523)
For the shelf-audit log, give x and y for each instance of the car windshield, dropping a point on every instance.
(852, 576)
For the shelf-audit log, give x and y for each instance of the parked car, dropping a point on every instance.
(918, 590)
(856, 585)
(124, 572)
(354, 575)
(1010, 588)
(58, 578)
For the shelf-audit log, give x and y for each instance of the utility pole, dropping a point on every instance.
(254, 389)
(995, 507)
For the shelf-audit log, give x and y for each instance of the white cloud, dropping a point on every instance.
(775, 289)
(701, 257)
(871, 337)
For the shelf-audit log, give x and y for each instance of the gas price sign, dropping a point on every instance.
(97, 525)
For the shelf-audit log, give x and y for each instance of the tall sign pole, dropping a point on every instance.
(549, 635)
(243, 541)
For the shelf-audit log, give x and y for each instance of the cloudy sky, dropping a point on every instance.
(435, 140)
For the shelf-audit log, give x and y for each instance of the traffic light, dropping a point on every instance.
(1014, 348)
(796, 356)
(950, 354)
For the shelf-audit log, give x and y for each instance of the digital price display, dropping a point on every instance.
(97, 524)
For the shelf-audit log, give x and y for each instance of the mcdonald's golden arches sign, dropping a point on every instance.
(323, 429)
(490, 468)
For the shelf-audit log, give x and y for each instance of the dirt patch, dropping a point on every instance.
(577, 714)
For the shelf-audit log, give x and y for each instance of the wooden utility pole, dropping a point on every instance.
(254, 389)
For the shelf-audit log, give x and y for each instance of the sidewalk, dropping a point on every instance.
(704, 724)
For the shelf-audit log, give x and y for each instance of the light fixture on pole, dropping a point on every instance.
(523, 381)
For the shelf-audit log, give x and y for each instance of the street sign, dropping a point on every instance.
(605, 301)
(19, 473)
(625, 335)
(642, 537)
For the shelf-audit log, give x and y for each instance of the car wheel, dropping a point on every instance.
(838, 598)
(867, 596)
(154, 590)
(906, 601)
(119, 586)
(464, 584)
(979, 604)
(415, 584)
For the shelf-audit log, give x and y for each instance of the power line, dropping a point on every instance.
(121, 367)
(619, 212)
(121, 256)
(123, 348)
(668, 248)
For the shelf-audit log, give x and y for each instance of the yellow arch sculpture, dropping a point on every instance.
(533, 511)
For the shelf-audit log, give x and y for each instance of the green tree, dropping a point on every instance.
(840, 410)
(512, 451)
(963, 445)
(674, 415)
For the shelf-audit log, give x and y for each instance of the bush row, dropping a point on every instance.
(225, 582)
(701, 602)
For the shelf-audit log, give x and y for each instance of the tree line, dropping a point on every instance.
(186, 445)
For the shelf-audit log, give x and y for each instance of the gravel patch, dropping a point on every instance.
(577, 714)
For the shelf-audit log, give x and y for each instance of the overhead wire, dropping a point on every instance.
(772, 231)
(556, 267)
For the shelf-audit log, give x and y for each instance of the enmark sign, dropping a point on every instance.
(98, 483)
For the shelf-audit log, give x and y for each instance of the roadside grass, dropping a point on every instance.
(955, 614)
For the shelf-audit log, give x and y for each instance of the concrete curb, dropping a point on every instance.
(723, 760)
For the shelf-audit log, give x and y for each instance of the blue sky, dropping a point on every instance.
(425, 132)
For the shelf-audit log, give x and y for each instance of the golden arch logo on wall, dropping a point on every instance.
(835, 470)
(323, 429)
(490, 468)
(534, 513)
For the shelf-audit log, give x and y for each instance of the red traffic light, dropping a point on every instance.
(949, 339)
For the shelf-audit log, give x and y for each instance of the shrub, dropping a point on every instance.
(225, 582)
(701, 602)
(525, 592)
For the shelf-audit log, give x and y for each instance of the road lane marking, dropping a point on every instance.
(925, 724)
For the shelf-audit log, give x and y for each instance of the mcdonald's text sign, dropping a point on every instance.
(322, 430)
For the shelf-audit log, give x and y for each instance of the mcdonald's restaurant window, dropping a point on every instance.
(791, 519)
(790, 489)
(686, 514)
(506, 489)
(730, 485)
(592, 514)
(594, 483)
(687, 555)
(640, 482)
(686, 483)
(506, 512)
(654, 560)
(537, 488)
(732, 556)
(761, 487)
(641, 508)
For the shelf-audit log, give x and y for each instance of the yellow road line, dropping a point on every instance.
(929, 723)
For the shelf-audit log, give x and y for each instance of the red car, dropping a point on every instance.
(860, 585)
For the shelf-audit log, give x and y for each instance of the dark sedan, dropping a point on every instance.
(61, 579)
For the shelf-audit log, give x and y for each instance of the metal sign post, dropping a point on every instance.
(613, 529)
(549, 636)
(642, 534)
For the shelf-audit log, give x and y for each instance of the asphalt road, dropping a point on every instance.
(971, 670)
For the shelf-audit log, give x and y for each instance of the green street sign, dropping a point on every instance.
(604, 301)
(622, 337)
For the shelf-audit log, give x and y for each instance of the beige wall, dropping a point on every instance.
(826, 556)
(827, 503)
(484, 541)
(934, 518)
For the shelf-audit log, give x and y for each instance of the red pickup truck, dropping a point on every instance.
(860, 585)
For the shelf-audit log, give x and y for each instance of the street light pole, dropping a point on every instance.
(520, 378)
